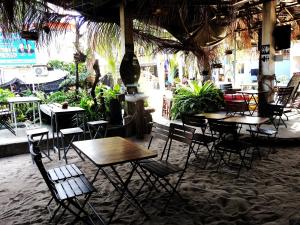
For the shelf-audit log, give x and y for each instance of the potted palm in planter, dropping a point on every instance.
(196, 98)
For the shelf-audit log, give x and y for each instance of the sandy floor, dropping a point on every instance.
(268, 194)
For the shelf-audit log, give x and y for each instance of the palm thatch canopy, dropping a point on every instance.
(194, 25)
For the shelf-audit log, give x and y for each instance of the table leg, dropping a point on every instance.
(122, 188)
(255, 143)
(40, 116)
(57, 136)
(15, 118)
(33, 110)
(52, 127)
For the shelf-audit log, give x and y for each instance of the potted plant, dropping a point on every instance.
(112, 103)
(196, 98)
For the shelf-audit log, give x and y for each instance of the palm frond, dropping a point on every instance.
(103, 34)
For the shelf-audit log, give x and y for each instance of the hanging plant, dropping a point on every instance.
(228, 51)
(79, 57)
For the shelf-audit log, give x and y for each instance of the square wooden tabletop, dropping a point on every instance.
(250, 120)
(113, 150)
(214, 116)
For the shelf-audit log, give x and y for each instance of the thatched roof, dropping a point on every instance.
(193, 24)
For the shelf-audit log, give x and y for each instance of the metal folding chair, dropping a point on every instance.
(200, 138)
(97, 128)
(228, 143)
(269, 133)
(276, 109)
(159, 132)
(73, 133)
(66, 192)
(5, 115)
(40, 133)
(161, 169)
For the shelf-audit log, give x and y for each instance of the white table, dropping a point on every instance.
(24, 100)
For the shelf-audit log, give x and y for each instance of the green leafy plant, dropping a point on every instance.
(110, 94)
(71, 68)
(58, 97)
(196, 98)
(4, 94)
(87, 103)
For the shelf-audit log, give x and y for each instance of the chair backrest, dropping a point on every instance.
(159, 131)
(283, 95)
(37, 158)
(180, 133)
(294, 82)
(226, 87)
(194, 121)
(223, 130)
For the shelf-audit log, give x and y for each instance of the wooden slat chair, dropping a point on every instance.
(161, 169)
(228, 143)
(66, 192)
(200, 138)
(276, 109)
(73, 133)
(293, 82)
(158, 132)
(291, 104)
(64, 172)
(97, 128)
(40, 133)
(269, 133)
(5, 115)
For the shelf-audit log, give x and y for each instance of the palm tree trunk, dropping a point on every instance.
(98, 75)
(77, 78)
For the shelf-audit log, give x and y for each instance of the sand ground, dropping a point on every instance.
(268, 194)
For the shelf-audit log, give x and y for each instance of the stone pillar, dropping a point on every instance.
(267, 53)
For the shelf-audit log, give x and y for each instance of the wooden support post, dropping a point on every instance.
(140, 119)
(267, 53)
(126, 25)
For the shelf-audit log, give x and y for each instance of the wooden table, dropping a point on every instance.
(24, 100)
(249, 120)
(55, 110)
(253, 95)
(214, 116)
(108, 152)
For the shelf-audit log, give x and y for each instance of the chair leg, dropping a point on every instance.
(90, 131)
(242, 158)
(54, 213)
(173, 191)
(48, 150)
(221, 159)
(64, 147)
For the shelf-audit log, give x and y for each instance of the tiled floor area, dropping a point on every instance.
(292, 132)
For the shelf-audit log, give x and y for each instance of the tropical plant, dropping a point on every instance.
(71, 68)
(87, 103)
(196, 98)
(4, 94)
(110, 94)
(58, 97)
